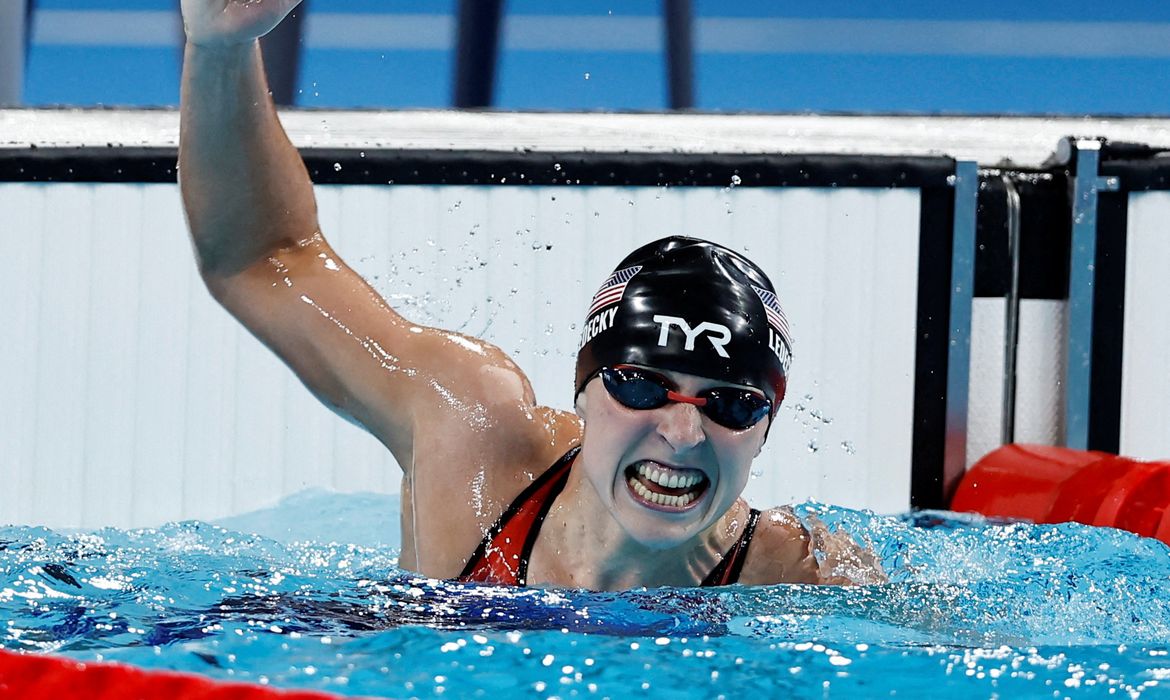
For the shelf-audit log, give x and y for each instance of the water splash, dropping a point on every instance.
(974, 608)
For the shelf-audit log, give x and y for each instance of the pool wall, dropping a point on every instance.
(131, 399)
(1144, 421)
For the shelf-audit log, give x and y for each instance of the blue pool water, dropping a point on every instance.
(973, 610)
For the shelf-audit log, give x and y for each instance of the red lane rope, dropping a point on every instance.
(35, 677)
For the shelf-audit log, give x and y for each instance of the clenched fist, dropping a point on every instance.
(230, 22)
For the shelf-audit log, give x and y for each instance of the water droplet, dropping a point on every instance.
(848, 447)
(736, 180)
(587, 76)
(813, 446)
(556, 166)
(337, 167)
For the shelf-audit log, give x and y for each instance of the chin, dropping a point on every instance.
(658, 539)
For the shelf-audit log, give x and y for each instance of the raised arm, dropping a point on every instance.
(244, 186)
(253, 220)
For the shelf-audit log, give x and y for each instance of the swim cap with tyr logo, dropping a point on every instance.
(691, 306)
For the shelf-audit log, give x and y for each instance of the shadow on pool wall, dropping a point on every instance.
(135, 399)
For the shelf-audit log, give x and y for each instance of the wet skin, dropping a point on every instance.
(676, 438)
(605, 526)
(458, 415)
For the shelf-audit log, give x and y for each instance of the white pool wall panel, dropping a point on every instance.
(131, 398)
(1040, 361)
(1040, 357)
(1145, 373)
(985, 384)
(20, 313)
(1037, 355)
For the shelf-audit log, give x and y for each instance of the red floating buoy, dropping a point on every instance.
(41, 677)
(1056, 485)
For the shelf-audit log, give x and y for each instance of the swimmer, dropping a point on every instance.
(682, 366)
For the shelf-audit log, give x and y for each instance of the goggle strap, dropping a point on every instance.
(682, 398)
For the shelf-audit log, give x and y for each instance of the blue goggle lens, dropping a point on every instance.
(640, 389)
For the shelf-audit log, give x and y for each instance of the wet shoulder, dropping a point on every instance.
(779, 551)
(459, 489)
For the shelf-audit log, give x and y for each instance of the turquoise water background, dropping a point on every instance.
(973, 609)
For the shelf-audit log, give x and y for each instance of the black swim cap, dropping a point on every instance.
(691, 306)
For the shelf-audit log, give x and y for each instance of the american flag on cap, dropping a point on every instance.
(612, 289)
(775, 314)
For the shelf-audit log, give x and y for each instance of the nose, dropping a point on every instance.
(681, 425)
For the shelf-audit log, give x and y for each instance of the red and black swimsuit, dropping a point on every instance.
(502, 555)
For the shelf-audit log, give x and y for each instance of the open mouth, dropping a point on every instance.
(666, 488)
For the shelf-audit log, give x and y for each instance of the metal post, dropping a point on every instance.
(13, 45)
(1081, 288)
(475, 53)
(966, 184)
(1011, 333)
(679, 53)
(282, 55)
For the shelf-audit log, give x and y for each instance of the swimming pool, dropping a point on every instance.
(973, 610)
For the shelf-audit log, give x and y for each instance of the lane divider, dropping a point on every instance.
(1057, 485)
(43, 677)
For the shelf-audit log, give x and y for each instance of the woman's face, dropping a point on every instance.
(669, 473)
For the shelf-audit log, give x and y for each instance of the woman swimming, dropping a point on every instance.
(682, 366)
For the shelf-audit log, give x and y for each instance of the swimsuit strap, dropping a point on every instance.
(502, 555)
(726, 572)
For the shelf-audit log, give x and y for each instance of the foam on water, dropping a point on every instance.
(974, 609)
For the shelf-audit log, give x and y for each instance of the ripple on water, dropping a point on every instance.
(973, 609)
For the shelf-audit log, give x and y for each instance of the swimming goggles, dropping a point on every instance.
(642, 389)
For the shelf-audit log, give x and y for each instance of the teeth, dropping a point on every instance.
(669, 480)
(659, 498)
